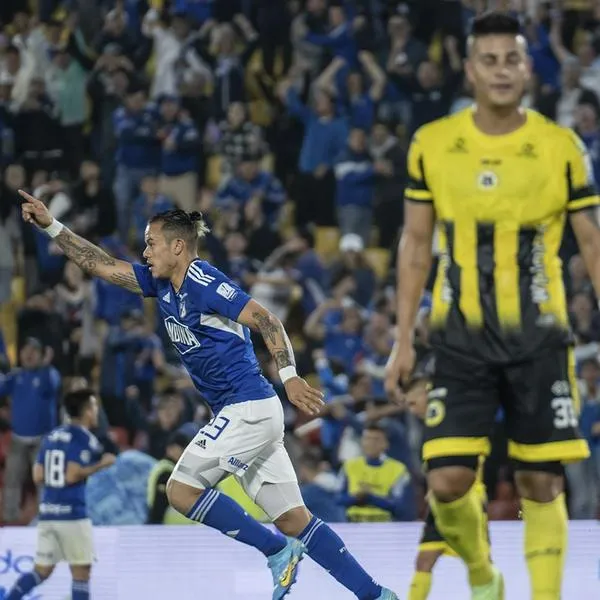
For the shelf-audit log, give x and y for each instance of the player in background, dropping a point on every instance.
(432, 545)
(67, 457)
(499, 181)
(208, 318)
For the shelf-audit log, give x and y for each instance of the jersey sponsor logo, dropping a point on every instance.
(201, 443)
(181, 336)
(459, 146)
(228, 292)
(167, 297)
(527, 151)
(11, 562)
(85, 456)
(488, 180)
(237, 463)
(539, 279)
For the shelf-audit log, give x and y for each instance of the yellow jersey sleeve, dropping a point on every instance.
(417, 190)
(580, 176)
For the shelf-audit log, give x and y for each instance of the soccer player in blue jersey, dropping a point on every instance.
(67, 457)
(208, 318)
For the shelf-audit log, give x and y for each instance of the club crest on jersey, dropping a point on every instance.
(181, 336)
(182, 307)
(488, 180)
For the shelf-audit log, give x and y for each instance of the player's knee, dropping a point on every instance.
(181, 496)
(294, 521)
(44, 571)
(450, 483)
(81, 572)
(542, 485)
(426, 561)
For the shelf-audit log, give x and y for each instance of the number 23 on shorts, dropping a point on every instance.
(215, 427)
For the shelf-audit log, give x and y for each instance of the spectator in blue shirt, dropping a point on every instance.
(584, 476)
(586, 125)
(118, 374)
(319, 488)
(113, 301)
(347, 86)
(138, 152)
(354, 268)
(252, 189)
(199, 11)
(325, 136)
(181, 145)
(342, 340)
(309, 270)
(149, 203)
(34, 390)
(355, 175)
(339, 39)
(239, 266)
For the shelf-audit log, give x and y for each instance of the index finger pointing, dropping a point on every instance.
(27, 196)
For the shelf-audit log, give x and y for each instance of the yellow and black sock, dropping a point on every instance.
(461, 524)
(546, 529)
(420, 586)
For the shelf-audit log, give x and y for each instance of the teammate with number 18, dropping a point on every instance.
(499, 182)
(208, 318)
(68, 456)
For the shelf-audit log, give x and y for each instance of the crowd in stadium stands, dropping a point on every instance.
(286, 123)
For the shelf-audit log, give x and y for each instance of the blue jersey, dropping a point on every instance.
(200, 319)
(70, 443)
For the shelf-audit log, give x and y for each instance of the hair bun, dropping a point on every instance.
(195, 216)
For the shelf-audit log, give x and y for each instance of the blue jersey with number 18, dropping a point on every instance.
(200, 319)
(68, 443)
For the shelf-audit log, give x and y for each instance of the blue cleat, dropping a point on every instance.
(284, 567)
(387, 595)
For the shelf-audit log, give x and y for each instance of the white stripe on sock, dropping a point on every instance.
(213, 499)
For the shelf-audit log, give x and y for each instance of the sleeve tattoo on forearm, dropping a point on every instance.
(89, 257)
(276, 339)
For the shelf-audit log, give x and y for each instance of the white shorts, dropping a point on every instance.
(245, 440)
(69, 541)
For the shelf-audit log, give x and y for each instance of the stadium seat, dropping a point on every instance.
(379, 259)
(213, 172)
(327, 240)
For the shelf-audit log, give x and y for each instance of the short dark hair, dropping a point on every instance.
(181, 224)
(495, 23)
(377, 428)
(77, 401)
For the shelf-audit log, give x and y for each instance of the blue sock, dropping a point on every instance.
(80, 590)
(24, 584)
(220, 512)
(326, 548)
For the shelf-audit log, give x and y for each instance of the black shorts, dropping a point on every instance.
(539, 397)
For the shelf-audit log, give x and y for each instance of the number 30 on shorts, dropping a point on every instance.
(564, 413)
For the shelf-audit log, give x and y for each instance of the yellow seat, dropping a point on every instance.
(379, 259)
(327, 240)
(213, 172)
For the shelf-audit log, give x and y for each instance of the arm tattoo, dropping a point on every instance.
(276, 339)
(127, 281)
(94, 260)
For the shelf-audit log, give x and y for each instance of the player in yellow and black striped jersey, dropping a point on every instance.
(499, 182)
